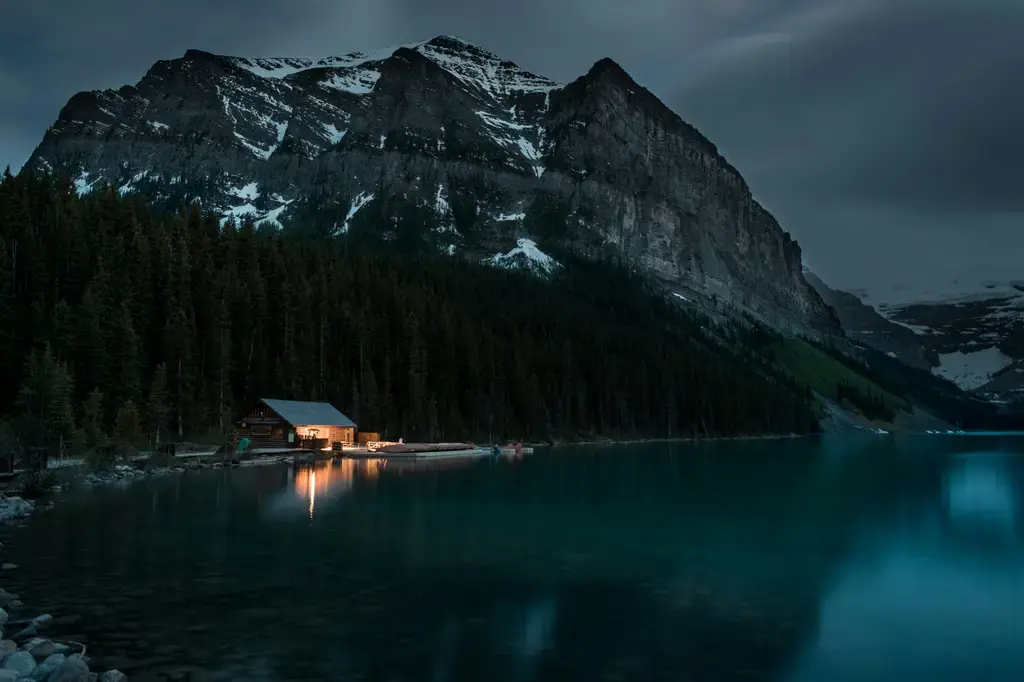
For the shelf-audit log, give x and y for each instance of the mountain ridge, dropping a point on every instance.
(975, 339)
(439, 141)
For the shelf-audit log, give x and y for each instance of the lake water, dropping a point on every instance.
(833, 560)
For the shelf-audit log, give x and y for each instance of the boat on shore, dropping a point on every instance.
(419, 450)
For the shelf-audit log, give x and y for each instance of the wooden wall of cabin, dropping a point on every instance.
(263, 427)
(342, 434)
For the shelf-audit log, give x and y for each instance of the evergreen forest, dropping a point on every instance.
(121, 323)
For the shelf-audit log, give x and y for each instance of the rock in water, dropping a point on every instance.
(113, 676)
(49, 666)
(3, 617)
(7, 674)
(73, 669)
(40, 648)
(7, 647)
(25, 634)
(42, 621)
(6, 598)
(21, 661)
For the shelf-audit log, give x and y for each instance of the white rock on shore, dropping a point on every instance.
(14, 508)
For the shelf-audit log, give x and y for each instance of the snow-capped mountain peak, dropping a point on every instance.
(429, 144)
(471, 64)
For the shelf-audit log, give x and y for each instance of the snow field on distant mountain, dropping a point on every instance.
(971, 370)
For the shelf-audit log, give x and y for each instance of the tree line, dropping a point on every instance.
(119, 323)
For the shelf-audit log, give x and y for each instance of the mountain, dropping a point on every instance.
(970, 335)
(442, 145)
(863, 324)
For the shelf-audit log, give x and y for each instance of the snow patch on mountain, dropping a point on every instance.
(129, 186)
(525, 256)
(510, 134)
(238, 213)
(332, 134)
(82, 184)
(357, 81)
(362, 199)
(248, 211)
(481, 70)
(273, 67)
(971, 370)
(918, 329)
(250, 192)
(505, 217)
(964, 287)
(274, 216)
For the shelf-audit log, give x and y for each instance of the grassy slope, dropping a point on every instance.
(821, 372)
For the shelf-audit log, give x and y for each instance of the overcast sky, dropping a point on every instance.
(886, 135)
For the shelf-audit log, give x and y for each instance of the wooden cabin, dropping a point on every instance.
(275, 423)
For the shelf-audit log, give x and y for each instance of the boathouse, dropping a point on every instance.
(272, 423)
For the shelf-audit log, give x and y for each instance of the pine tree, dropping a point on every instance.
(93, 422)
(127, 430)
(157, 405)
(45, 416)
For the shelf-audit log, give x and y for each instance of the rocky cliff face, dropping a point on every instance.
(865, 325)
(444, 145)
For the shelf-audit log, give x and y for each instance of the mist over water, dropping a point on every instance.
(803, 560)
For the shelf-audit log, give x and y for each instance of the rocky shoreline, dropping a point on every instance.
(26, 654)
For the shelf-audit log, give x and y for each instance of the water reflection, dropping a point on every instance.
(315, 486)
(980, 496)
(781, 561)
(321, 484)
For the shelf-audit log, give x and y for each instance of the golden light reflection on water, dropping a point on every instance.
(329, 478)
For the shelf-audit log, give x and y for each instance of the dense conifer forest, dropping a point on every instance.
(120, 323)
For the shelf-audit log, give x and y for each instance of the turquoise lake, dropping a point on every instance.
(832, 559)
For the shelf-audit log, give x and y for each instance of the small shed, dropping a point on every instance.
(273, 423)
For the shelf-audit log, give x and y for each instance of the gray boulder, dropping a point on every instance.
(42, 621)
(47, 667)
(21, 661)
(73, 669)
(40, 648)
(113, 676)
(25, 634)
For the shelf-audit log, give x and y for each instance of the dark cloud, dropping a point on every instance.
(888, 140)
(880, 132)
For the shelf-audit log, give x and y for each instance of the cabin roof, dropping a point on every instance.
(299, 413)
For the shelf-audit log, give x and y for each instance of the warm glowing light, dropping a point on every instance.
(312, 491)
(332, 477)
